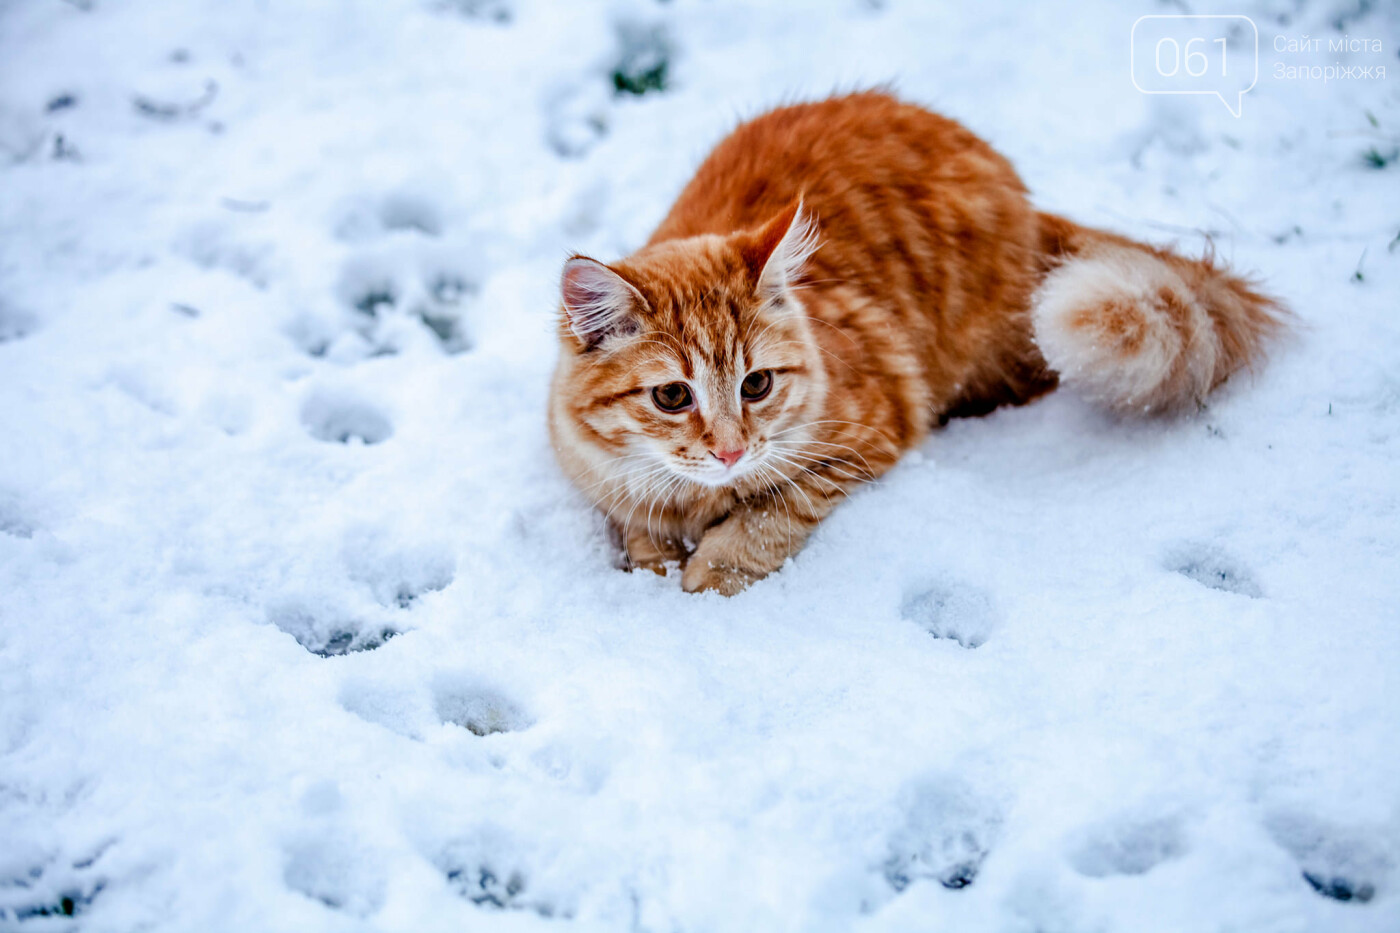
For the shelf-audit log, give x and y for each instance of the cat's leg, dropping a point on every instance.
(758, 536)
(651, 549)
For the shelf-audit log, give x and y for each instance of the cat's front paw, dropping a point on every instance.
(702, 576)
(642, 552)
(657, 565)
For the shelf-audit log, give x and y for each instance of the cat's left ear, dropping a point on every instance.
(780, 250)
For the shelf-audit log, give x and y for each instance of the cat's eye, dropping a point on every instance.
(672, 397)
(757, 385)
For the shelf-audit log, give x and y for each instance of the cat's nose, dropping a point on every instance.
(728, 457)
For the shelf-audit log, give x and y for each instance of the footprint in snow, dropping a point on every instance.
(49, 888)
(392, 295)
(13, 519)
(326, 630)
(218, 244)
(485, 886)
(1212, 567)
(947, 830)
(397, 574)
(368, 285)
(464, 701)
(359, 219)
(15, 324)
(398, 284)
(961, 613)
(1341, 863)
(410, 211)
(336, 871)
(483, 870)
(340, 419)
(500, 12)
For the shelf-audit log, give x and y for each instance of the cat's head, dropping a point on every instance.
(693, 360)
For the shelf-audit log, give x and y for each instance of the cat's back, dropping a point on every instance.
(860, 162)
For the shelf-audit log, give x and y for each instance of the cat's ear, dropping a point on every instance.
(779, 251)
(598, 303)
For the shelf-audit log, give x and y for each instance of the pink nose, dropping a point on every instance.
(728, 457)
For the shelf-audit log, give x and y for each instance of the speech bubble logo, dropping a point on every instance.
(1184, 53)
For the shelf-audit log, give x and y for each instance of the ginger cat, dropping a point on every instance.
(838, 278)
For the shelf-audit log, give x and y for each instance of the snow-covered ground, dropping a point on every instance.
(302, 629)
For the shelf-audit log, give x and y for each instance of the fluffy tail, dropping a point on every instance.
(1140, 329)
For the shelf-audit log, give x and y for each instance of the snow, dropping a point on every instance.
(302, 629)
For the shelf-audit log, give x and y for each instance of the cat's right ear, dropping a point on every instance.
(598, 303)
(779, 251)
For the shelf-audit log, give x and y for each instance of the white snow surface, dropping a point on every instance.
(1119, 676)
